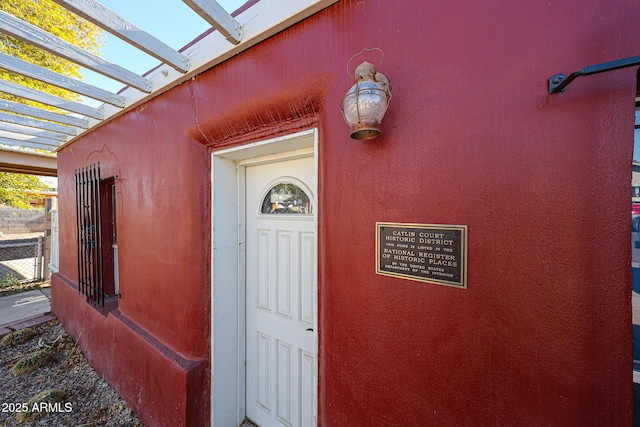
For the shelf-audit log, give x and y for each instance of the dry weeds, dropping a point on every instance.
(87, 399)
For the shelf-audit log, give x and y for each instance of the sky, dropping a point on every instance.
(170, 21)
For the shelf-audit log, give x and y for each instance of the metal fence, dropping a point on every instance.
(22, 260)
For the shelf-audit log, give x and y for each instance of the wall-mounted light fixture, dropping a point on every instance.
(366, 102)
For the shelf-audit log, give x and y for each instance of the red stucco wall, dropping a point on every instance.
(542, 335)
(162, 202)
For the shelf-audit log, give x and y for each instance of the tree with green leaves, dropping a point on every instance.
(49, 16)
(15, 189)
(58, 21)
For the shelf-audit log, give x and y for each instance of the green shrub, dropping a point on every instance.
(31, 362)
(17, 337)
(9, 280)
(52, 395)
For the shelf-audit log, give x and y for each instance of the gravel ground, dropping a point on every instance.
(88, 399)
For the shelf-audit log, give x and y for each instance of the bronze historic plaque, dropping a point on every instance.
(431, 253)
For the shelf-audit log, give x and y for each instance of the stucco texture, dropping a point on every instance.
(542, 334)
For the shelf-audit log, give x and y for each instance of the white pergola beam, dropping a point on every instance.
(24, 130)
(110, 21)
(255, 24)
(28, 141)
(27, 110)
(20, 161)
(15, 143)
(19, 66)
(37, 124)
(260, 21)
(218, 17)
(48, 99)
(33, 35)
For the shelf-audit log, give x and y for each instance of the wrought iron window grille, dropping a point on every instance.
(95, 215)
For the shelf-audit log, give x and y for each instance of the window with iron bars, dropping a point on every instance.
(97, 237)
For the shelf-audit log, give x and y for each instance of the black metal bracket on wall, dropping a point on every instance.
(558, 82)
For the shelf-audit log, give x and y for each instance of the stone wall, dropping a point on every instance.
(16, 221)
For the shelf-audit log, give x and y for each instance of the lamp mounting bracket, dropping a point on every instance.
(558, 82)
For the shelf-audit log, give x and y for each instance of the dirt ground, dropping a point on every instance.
(87, 399)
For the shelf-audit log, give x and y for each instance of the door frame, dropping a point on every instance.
(228, 242)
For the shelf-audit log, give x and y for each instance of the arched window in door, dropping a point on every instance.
(286, 198)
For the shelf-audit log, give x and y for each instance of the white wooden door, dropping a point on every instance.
(281, 291)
